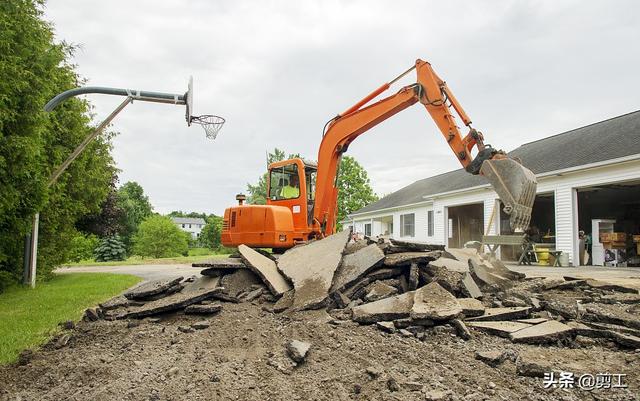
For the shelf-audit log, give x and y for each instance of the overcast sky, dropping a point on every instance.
(278, 70)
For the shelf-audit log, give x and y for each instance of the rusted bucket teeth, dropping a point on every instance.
(516, 187)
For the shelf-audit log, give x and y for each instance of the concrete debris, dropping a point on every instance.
(311, 269)
(565, 285)
(450, 264)
(266, 269)
(119, 301)
(239, 281)
(355, 246)
(601, 285)
(471, 307)
(461, 329)
(379, 290)
(201, 325)
(500, 329)
(470, 288)
(534, 320)
(151, 288)
(407, 258)
(387, 327)
(547, 332)
(503, 314)
(298, 350)
(252, 295)
(186, 329)
(435, 303)
(412, 386)
(62, 341)
(435, 395)
(397, 246)
(484, 275)
(491, 358)
(221, 264)
(528, 367)
(285, 302)
(91, 315)
(176, 302)
(208, 309)
(392, 308)
(357, 265)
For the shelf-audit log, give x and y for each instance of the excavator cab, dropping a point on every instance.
(286, 218)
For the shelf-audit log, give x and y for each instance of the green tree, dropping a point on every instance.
(210, 234)
(258, 191)
(32, 143)
(158, 237)
(110, 248)
(135, 207)
(355, 187)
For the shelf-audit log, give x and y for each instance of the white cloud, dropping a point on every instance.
(277, 71)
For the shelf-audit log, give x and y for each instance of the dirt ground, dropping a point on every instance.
(241, 356)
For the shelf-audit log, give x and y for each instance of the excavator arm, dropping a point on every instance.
(514, 184)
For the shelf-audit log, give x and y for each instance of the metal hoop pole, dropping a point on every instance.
(146, 96)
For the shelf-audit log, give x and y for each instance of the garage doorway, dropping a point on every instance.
(542, 228)
(619, 202)
(465, 223)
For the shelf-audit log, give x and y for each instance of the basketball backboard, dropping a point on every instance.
(189, 101)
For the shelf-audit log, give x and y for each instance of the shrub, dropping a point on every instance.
(83, 247)
(110, 248)
(158, 237)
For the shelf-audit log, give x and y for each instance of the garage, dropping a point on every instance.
(610, 214)
(465, 224)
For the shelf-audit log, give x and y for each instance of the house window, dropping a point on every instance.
(183, 226)
(430, 223)
(189, 225)
(367, 229)
(391, 228)
(407, 225)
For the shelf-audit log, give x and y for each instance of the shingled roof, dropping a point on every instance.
(598, 142)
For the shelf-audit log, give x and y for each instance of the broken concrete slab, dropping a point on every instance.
(150, 288)
(238, 281)
(565, 285)
(311, 269)
(470, 287)
(450, 264)
(392, 308)
(547, 332)
(119, 301)
(201, 325)
(501, 329)
(614, 327)
(341, 300)
(602, 285)
(461, 329)
(221, 264)
(266, 269)
(379, 290)
(435, 303)
(208, 309)
(491, 358)
(397, 246)
(503, 314)
(471, 307)
(175, 302)
(406, 258)
(387, 327)
(483, 274)
(356, 265)
(534, 320)
(533, 368)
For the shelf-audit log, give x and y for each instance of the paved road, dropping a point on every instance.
(615, 275)
(147, 272)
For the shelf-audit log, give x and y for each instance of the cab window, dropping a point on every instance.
(284, 182)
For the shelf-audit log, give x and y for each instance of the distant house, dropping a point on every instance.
(192, 225)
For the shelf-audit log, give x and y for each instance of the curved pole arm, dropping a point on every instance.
(147, 96)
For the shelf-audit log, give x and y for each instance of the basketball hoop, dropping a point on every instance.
(211, 124)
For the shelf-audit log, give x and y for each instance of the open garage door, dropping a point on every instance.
(542, 229)
(465, 223)
(615, 209)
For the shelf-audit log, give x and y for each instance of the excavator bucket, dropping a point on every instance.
(516, 187)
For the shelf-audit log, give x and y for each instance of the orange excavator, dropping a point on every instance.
(302, 195)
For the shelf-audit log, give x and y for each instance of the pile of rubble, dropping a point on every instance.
(404, 288)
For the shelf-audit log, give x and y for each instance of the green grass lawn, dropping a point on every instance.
(28, 317)
(137, 260)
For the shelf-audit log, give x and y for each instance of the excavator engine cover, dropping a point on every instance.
(516, 187)
(258, 226)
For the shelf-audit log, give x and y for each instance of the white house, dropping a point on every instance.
(190, 224)
(585, 174)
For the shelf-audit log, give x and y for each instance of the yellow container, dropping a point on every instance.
(543, 257)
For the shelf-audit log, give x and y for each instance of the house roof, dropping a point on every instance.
(188, 220)
(606, 140)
